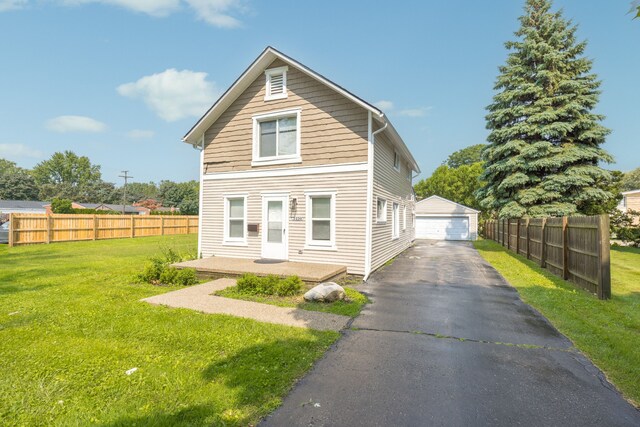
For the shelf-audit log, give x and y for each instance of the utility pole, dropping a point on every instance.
(124, 197)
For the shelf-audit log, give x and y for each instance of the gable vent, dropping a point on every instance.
(276, 83)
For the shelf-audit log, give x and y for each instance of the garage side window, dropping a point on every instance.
(381, 210)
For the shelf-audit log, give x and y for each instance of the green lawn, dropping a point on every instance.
(350, 308)
(71, 324)
(607, 331)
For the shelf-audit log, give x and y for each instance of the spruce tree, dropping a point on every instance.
(544, 146)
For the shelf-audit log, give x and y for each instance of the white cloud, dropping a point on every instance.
(384, 105)
(140, 134)
(19, 151)
(6, 5)
(414, 112)
(173, 94)
(64, 124)
(214, 12)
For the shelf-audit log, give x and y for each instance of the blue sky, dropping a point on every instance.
(121, 81)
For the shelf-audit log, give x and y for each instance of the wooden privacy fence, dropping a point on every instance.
(28, 229)
(575, 248)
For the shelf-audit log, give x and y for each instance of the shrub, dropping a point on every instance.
(624, 228)
(159, 271)
(251, 284)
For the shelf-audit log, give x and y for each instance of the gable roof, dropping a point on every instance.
(256, 68)
(22, 204)
(434, 197)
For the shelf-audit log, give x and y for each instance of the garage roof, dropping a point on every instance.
(440, 205)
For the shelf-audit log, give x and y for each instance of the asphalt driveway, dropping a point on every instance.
(446, 341)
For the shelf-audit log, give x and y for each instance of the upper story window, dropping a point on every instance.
(276, 83)
(276, 138)
(409, 173)
(396, 161)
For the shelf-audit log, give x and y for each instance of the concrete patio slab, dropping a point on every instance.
(200, 298)
(307, 271)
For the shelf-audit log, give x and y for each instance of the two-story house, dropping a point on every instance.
(295, 167)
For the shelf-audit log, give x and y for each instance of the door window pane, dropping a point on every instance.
(274, 221)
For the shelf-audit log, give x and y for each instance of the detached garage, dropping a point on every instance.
(441, 219)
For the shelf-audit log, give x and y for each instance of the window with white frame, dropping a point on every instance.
(396, 161)
(321, 219)
(395, 221)
(409, 173)
(276, 137)
(235, 218)
(381, 210)
(404, 217)
(276, 83)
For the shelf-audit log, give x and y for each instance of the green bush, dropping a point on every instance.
(251, 284)
(159, 271)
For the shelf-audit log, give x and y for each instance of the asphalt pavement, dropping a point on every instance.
(447, 341)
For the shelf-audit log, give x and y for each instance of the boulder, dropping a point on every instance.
(325, 292)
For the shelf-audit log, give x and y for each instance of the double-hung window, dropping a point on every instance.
(396, 221)
(404, 218)
(235, 219)
(276, 138)
(396, 161)
(381, 210)
(321, 227)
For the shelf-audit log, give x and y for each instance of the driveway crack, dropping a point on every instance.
(473, 340)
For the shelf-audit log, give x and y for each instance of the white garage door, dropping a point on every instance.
(442, 228)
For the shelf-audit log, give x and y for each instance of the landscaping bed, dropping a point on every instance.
(606, 331)
(350, 306)
(79, 347)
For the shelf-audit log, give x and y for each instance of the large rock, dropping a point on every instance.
(325, 292)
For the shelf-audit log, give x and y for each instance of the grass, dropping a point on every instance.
(350, 307)
(606, 331)
(71, 324)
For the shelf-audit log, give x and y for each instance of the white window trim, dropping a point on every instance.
(395, 211)
(234, 241)
(396, 155)
(324, 245)
(409, 173)
(379, 219)
(270, 72)
(404, 218)
(275, 160)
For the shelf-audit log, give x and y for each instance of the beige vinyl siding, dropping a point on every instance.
(439, 207)
(333, 129)
(393, 186)
(633, 201)
(350, 188)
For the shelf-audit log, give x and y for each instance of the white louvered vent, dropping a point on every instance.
(276, 83)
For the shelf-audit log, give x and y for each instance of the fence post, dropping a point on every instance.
(48, 239)
(565, 248)
(11, 228)
(133, 232)
(543, 239)
(527, 225)
(604, 266)
(509, 234)
(518, 236)
(95, 226)
(162, 225)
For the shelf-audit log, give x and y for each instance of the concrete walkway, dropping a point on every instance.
(199, 298)
(447, 341)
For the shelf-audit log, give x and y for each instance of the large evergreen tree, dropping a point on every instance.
(544, 146)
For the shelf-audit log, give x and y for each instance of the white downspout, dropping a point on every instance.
(369, 215)
(201, 196)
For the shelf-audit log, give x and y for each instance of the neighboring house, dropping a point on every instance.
(631, 202)
(22, 206)
(441, 219)
(295, 167)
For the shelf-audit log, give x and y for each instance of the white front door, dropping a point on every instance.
(275, 233)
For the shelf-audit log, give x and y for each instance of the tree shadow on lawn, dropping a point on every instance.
(189, 416)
